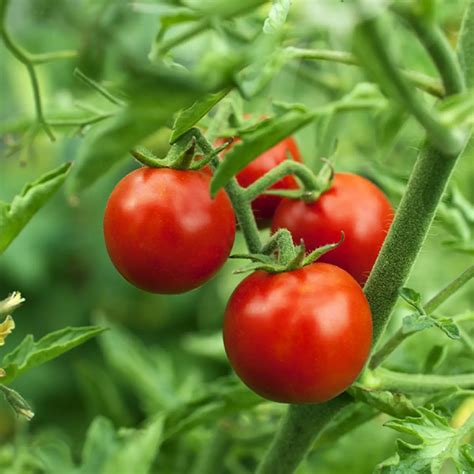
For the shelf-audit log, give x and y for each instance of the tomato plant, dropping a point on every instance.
(159, 82)
(163, 231)
(353, 205)
(298, 337)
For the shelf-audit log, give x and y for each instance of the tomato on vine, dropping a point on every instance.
(163, 231)
(353, 205)
(301, 336)
(264, 206)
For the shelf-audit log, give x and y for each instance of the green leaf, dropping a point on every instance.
(106, 450)
(412, 297)
(394, 404)
(155, 98)
(55, 457)
(416, 322)
(30, 354)
(438, 443)
(223, 397)
(277, 16)
(187, 118)
(151, 378)
(136, 450)
(209, 345)
(256, 140)
(15, 216)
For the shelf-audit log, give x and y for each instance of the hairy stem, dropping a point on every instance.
(419, 383)
(296, 434)
(308, 179)
(242, 208)
(421, 81)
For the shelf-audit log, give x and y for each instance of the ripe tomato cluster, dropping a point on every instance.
(299, 336)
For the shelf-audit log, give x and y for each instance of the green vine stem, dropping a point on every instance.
(449, 290)
(101, 90)
(204, 24)
(302, 424)
(394, 341)
(369, 45)
(304, 174)
(421, 81)
(296, 434)
(438, 47)
(28, 60)
(384, 379)
(242, 208)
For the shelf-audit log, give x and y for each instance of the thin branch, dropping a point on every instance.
(25, 58)
(421, 81)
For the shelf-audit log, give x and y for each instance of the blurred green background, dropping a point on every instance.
(163, 349)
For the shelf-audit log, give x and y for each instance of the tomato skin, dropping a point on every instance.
(264, 206)
(163, 231)
(353, 205)
(298, 337)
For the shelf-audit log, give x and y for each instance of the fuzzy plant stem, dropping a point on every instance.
(242, 207)
(421, 81)
(302, 424)
(419, 383)
(308, 179)
(296, 434)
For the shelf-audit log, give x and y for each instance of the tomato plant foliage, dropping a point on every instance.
(169, 126)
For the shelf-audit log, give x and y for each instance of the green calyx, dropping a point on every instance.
(280, 254)
(184, 154)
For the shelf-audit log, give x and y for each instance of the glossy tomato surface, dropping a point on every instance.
(353, 205)
(298, 337)
(264, 206)
(163, 231)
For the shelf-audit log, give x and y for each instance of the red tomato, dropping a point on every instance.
(298, 337)
(353, 205)
(163, 231)
(264, 206)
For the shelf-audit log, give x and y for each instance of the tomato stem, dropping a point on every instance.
(242, 208)
(371, 50)
(28, 60)
(384, 379)
(423, 82)
(303, 173)
(296, 434)
(435, 42)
